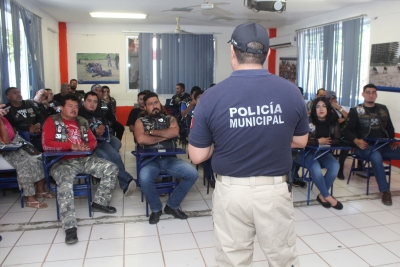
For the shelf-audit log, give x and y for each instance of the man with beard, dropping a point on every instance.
(73, 83)
(65, 90)
(372, 120)
(180, 96)
(106, 150)
(67, 131)
(24, 116)
(156, 130)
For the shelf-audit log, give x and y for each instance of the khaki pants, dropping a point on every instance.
(242, 211)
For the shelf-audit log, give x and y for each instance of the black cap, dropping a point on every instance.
(247, 33)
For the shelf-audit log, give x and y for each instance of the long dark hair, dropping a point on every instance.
(331, 116)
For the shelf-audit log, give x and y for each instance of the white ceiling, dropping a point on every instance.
(77, 11)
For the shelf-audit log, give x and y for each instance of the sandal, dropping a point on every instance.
(36, 205)
(45, 194)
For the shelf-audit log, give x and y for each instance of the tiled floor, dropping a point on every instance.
(364, 233)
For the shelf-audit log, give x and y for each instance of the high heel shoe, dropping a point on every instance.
(324, 204)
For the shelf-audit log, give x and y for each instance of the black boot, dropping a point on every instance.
(70, 236)
(340, 174)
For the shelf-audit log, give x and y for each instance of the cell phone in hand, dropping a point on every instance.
(7, 108)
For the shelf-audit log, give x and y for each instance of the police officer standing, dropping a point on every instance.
(248, 124)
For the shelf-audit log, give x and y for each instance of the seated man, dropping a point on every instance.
(68, 131)
(105, 149)
(24, 116)
(65, 90)
(372, 120)
(135, 112)
(40, 102)
(157, 130)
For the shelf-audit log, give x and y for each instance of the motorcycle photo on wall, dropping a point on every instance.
(97, 68)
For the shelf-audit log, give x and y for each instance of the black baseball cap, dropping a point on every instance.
(247, 33)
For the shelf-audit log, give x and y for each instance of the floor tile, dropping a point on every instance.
(347, 210)
(299, 215)
(302, 247)
(317, 212)
(378, 202)
(360, 220)
(116, 261)
(394, 227)
(334, 224)
(322, 242)
(135, 210)
(177, 242)
(105, 248)
(194, 205)
(209, 203)
(148, 259)
(376, 254)
(109, 231)
(364, 206)
(62, 251)
(32, 254)
(341, 192)
(183, 258)
(204, 239)
(37, 237)
(260, 264)
(145, 244)
(393, 247)
(17, 217)
(45, 215)
(308, 227)
(343, 258)
(193, 195)
(10, 238)
(140, 229)
(312, 260)
(174, 226)
(209, 256)
(68, 263)
(353, 238)
(200, 224)
(4, 252)
(380, 234)
(384, 217)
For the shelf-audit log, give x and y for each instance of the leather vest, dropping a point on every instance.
(364, 118)
(312, 129)
(61, 130)
(159, 123)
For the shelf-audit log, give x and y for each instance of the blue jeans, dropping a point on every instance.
(109, 151)
(377, 163)
(174, 167)
(328, 162)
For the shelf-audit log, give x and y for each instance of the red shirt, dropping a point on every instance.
(74, 137)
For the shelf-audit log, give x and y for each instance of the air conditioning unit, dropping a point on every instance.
(265, 5)
(283, 41)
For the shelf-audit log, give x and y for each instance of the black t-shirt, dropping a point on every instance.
(376, 127)
(251, 117)
(95, 118)
(133, 116)
(21, 118)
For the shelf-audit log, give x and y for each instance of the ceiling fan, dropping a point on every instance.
(178, 29)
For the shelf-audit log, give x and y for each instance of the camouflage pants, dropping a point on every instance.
(29, 169)
(64, 173)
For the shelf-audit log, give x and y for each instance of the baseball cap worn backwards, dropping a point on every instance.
(247, 33)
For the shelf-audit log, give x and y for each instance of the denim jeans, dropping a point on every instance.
(328, 162)
(174, 167)
(377, 163)
(109, 152)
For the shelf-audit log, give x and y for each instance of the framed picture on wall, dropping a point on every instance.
(97, 68)
(132, 64)
(385, 65)
(288, 68)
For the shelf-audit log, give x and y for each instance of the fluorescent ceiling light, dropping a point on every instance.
(117, 15)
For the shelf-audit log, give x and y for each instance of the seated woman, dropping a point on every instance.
(30, 172)
(324, 130)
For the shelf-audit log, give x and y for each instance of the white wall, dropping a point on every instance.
(384, 28)
(98, 38)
